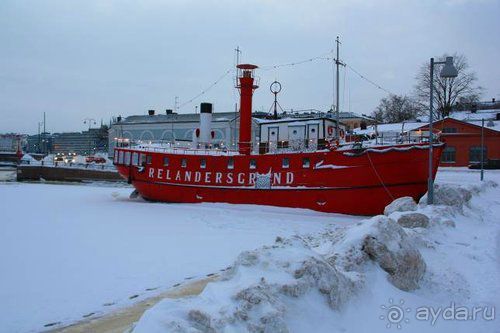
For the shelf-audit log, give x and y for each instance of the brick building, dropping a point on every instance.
(463, 141)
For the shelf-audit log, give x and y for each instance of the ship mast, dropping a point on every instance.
(337, 104)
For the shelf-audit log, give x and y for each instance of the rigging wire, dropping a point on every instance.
(320, 57)
(206, 89)
(368, 80)
(291, 64)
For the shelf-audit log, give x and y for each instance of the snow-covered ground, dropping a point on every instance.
(71, 250)
(374, 276)
(67, 250)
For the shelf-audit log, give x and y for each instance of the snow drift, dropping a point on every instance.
(254, 294)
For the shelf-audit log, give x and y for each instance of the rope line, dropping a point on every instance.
(368, 80)
(290, 64)
(207, 89)
(378, 176)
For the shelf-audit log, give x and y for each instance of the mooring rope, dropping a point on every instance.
(379, 178)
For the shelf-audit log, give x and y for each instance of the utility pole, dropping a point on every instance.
(89, 121)
(482, 149)
(176, 103)
(44, 143)
(238, 52)
(39, 148)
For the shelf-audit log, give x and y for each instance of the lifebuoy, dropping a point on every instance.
(330, 130)
(342, 134)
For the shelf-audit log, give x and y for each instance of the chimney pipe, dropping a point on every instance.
(151, 112)
(205, 123)
(246, 86)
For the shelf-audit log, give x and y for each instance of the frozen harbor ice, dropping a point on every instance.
(71, 250)
(67, 250)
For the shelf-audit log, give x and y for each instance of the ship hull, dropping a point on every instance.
(348, 182)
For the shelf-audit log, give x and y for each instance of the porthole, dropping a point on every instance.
(286, 163)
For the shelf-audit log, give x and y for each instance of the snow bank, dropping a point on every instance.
(256, 292)
(276, 288)
(455, 195)
(382, 240)
(402, 204)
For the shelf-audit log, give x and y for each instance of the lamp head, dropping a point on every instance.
(449, 71)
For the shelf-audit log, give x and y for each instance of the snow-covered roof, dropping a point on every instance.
(295, 121)
(489, 124)
(394, 127)
(176, 117)
(477, 115)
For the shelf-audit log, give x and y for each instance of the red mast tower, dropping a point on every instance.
(246, 86)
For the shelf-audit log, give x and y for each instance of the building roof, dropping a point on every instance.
(477, 115)
(394, 127)
(176, 117)
(308, 120)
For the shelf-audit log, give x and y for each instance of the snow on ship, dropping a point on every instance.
(338, 178)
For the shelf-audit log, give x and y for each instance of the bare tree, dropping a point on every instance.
(447, 92)
(395, 109)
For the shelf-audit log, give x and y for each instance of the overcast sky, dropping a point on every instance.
(102, 58)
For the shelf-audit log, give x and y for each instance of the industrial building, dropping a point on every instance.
(82, 143)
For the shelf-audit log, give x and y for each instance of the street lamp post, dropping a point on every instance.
(449, 71)
(89, 121)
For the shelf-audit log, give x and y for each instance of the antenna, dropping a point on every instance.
(275, 89)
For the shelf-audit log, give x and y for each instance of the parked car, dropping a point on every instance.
(95, 159)
(489, 164)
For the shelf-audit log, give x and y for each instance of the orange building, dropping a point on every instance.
(463, 141)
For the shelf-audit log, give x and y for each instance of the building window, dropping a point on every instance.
(116, 156)
(120, 157)
(449, 130)
(475, 154)
(203, 163)
(166, 161)
(149, 159)
(286, 163)
(449, 155)
(306, 163)
(135, 159)
(184, 163)
(230, 163)
(253, 164)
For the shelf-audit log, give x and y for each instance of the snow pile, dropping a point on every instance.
(456, 196)
(256, 293)
(402, 204)
(327, 280)
(382, 240)
(28, 159)
(413, 220)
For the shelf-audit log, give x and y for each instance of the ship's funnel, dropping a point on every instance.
(246, 86)
(205, 124)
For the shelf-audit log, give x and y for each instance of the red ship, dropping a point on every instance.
(357, 181)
